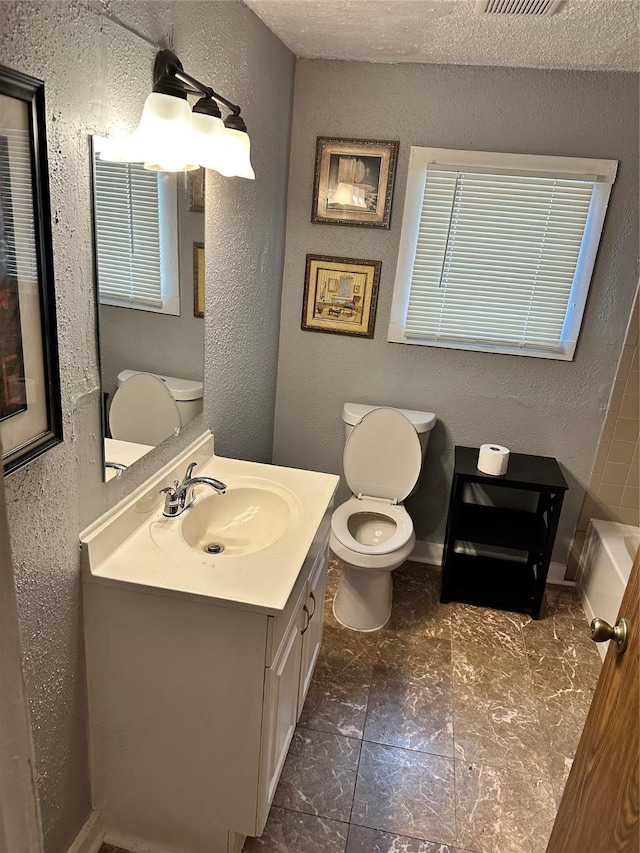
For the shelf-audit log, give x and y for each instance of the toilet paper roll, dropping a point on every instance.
(493, 459)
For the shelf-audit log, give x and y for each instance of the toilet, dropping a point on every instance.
(372, 533)
(149, 407)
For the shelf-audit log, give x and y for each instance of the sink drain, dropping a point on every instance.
(214, 548)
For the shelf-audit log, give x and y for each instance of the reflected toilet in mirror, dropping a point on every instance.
(148, 240)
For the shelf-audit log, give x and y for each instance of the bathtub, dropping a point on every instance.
(605, 565)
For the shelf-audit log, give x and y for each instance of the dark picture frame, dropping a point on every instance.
(198, 279)
(353, 181)
(340, 295)
(195, 185)
(30, 404)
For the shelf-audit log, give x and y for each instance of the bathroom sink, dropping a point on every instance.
(246, 519)
(265, 524)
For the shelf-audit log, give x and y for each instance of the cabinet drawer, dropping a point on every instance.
(278, 626)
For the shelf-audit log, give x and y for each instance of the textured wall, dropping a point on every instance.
(97, 73)
(531, 405)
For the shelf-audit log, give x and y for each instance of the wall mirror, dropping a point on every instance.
(149, 264)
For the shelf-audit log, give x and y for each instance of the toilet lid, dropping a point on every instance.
(143, 410)
(382, 457)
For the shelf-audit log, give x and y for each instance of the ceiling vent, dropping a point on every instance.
(517, 7)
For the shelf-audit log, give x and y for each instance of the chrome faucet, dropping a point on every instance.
(180, 496)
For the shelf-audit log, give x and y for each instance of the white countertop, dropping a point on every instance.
(135, 545)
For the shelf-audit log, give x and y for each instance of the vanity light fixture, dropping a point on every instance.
(173, 138)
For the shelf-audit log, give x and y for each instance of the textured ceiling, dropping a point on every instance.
(588, 34)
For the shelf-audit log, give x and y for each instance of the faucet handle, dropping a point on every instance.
(172, 500)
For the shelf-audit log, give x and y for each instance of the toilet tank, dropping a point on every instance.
(422, 421)
(186, 392)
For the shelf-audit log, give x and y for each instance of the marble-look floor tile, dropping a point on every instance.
(489, 673)
(503, 734)
(365, 840)
(294, 832)
(491, 630)
(410, 702)
(319, 774)
(562, 637)
(561, 601)
(406, 793)
(419, 659)
(337, 704)
(416, 605)
(563, 691)
(495, 715)
(346, 653)
(410, 716)
(109, 848)
(501, 811)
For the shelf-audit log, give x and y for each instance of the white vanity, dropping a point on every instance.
(198, 664)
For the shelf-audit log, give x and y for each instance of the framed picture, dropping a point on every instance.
(30, 410)
(354, 182)
(195, 184)
(198, 279)
(340, 295)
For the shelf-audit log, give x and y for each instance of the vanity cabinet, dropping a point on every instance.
(193, 704)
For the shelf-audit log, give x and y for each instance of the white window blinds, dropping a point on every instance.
(496, 256)
(127, 234)
(497, 253)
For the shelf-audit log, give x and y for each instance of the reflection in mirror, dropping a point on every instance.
(149, 262)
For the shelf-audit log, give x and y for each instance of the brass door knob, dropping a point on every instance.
(601, 631)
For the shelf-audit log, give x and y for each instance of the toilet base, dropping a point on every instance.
(363, 599)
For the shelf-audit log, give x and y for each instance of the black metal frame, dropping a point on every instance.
(170, 78)
(14, 84)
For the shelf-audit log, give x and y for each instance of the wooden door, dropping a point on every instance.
(599, 808)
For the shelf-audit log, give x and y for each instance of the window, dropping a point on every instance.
(136, 237)
(497, 250)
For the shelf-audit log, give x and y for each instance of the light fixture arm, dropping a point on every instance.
(170, 78)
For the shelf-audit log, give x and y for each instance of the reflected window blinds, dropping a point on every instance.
(128, 234)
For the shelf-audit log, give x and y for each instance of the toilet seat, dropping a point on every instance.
(143, 411)
(396, 513)
(382, 458)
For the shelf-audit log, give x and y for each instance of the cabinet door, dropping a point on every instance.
(280, 711)
(312, 637)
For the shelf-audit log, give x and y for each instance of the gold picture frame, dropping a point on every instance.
(331, 303)
(195, 184)
(198, 279)
(353, 182)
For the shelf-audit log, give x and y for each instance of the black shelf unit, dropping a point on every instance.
(513, 582)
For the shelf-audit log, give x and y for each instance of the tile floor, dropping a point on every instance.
(451, 730)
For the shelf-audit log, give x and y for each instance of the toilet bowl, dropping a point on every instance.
(149, 407)
(372, 533)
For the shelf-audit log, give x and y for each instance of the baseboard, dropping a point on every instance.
(91, 836)
(427, 552)
(431, 553)
(133, 845)
(557, 572)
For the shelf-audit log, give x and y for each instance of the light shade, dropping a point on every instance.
(208, 131)
(235, 155)
(163, 140)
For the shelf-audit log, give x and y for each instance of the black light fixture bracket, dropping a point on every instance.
(170, 78)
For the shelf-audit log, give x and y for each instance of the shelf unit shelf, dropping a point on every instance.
(497, 581)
